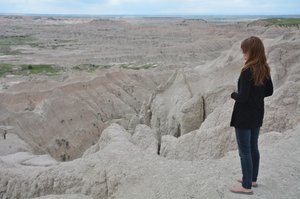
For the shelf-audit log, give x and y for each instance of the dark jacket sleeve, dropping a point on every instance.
(269, 87)
(244, 90)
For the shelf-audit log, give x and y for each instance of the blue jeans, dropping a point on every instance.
(248, 150)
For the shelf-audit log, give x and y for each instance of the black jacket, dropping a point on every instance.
(248, 110)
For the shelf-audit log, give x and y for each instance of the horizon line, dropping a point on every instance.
(38, 14)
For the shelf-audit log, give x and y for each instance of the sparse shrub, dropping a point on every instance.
(63, 157)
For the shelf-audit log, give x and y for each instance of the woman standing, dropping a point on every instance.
(254, 85)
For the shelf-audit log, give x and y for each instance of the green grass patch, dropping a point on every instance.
(90, 67)
(27, 69)
(285, 22)
(138, 67)
(6, 42)
(5, 68)
(15, 40)
(39, 69)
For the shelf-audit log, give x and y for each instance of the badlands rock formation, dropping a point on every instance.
(120, 169)
(65, 118)
(163, 130)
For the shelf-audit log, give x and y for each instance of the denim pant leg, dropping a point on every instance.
(255, 152)
(243, 137)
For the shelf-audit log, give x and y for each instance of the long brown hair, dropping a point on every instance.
(257, 61)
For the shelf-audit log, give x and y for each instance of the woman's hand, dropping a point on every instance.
(234, 95)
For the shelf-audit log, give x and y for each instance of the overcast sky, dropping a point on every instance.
(152, 7)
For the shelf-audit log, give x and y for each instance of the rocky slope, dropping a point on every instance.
(65, 118)
(117, 168)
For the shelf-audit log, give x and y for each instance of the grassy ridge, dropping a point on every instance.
(286, 22)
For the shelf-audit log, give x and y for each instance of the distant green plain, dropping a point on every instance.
(286, 22)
